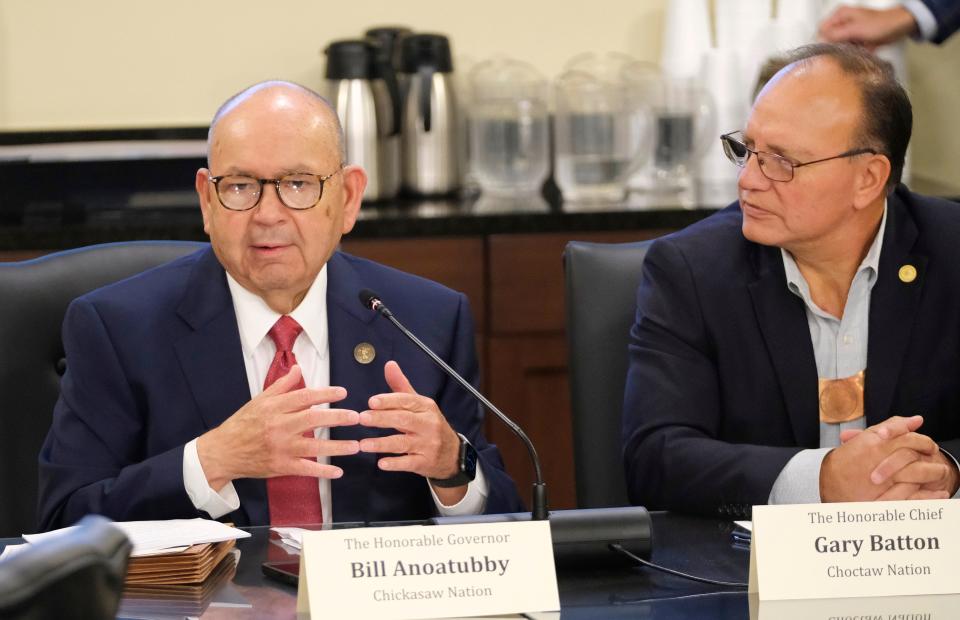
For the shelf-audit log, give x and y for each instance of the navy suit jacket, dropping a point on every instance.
(947, 13)
(722, 386)
(155, 361)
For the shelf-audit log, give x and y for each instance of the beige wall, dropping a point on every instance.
(109, 63)
(132, 63)
(935, 91)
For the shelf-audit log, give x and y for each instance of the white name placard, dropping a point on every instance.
(428, 571)
(855, 550)
(932, 607)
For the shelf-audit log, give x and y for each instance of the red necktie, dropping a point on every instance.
(294, 500)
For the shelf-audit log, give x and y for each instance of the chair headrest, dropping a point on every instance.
(78, 574)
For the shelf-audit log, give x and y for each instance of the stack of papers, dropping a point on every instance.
(178, 551)
(291, 536)
(182, 600)
(192, 565)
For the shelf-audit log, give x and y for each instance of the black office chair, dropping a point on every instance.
(601, 286)
(77, 575)
(34, 295)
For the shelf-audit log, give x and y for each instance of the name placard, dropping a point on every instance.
(428, 571)
(855, 550)
(932, 607)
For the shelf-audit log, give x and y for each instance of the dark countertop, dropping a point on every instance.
(58, 196)
(95, 201)
(56, 227)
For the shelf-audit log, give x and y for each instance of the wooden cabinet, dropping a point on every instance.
(527, 360)
(527, 379)
(457, 262)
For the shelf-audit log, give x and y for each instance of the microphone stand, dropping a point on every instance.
(580, 537)
(539, 512)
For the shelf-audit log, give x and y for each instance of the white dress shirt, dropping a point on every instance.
(927, 25)
(311, 348)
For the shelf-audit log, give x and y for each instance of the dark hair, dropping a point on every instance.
(887, 116)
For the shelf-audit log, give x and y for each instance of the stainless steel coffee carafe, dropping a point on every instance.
(362, 87)
(430, 131)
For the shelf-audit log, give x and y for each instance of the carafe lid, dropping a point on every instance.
(425, 51)
(389, 38)
(503, 78)
(387, 32)
(350, 59)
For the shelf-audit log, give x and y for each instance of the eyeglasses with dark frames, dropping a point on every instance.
(298, 191)
(774, 167)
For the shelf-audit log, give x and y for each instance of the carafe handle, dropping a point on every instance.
(426, 87)
(385, 70)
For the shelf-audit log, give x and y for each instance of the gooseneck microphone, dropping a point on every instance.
(371, 300)
(581, 537)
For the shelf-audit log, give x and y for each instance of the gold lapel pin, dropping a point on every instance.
(364, 353)
(907, 273)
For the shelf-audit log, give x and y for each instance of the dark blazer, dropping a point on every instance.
(722, 386)
(947, 13)
(156, 360)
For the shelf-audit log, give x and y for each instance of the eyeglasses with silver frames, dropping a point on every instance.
(774, 167)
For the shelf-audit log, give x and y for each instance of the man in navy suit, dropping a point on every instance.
(246, 382)
(933, 20)
(784, 346)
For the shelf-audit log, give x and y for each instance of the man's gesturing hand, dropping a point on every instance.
(425, 443)
(264, 438)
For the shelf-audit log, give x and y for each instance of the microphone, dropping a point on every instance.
(582, 536)
(371, 300)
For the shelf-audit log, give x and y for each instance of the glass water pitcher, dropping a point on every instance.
(509, 135)
(599, 130)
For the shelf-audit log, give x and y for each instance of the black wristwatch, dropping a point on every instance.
(468, 467)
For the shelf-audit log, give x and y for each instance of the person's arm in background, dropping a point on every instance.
(933, 20)
(946, 14)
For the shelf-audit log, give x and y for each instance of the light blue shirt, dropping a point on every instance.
(840, 350)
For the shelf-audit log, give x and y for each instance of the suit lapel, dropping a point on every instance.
(893, 307)
(350, 324)
(783, 323)
(211, 358)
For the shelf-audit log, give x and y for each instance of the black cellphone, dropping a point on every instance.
(741, 536)
(286, 571)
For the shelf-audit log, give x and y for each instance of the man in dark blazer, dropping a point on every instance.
(933, 20)
(168, 408)
(783, 346)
